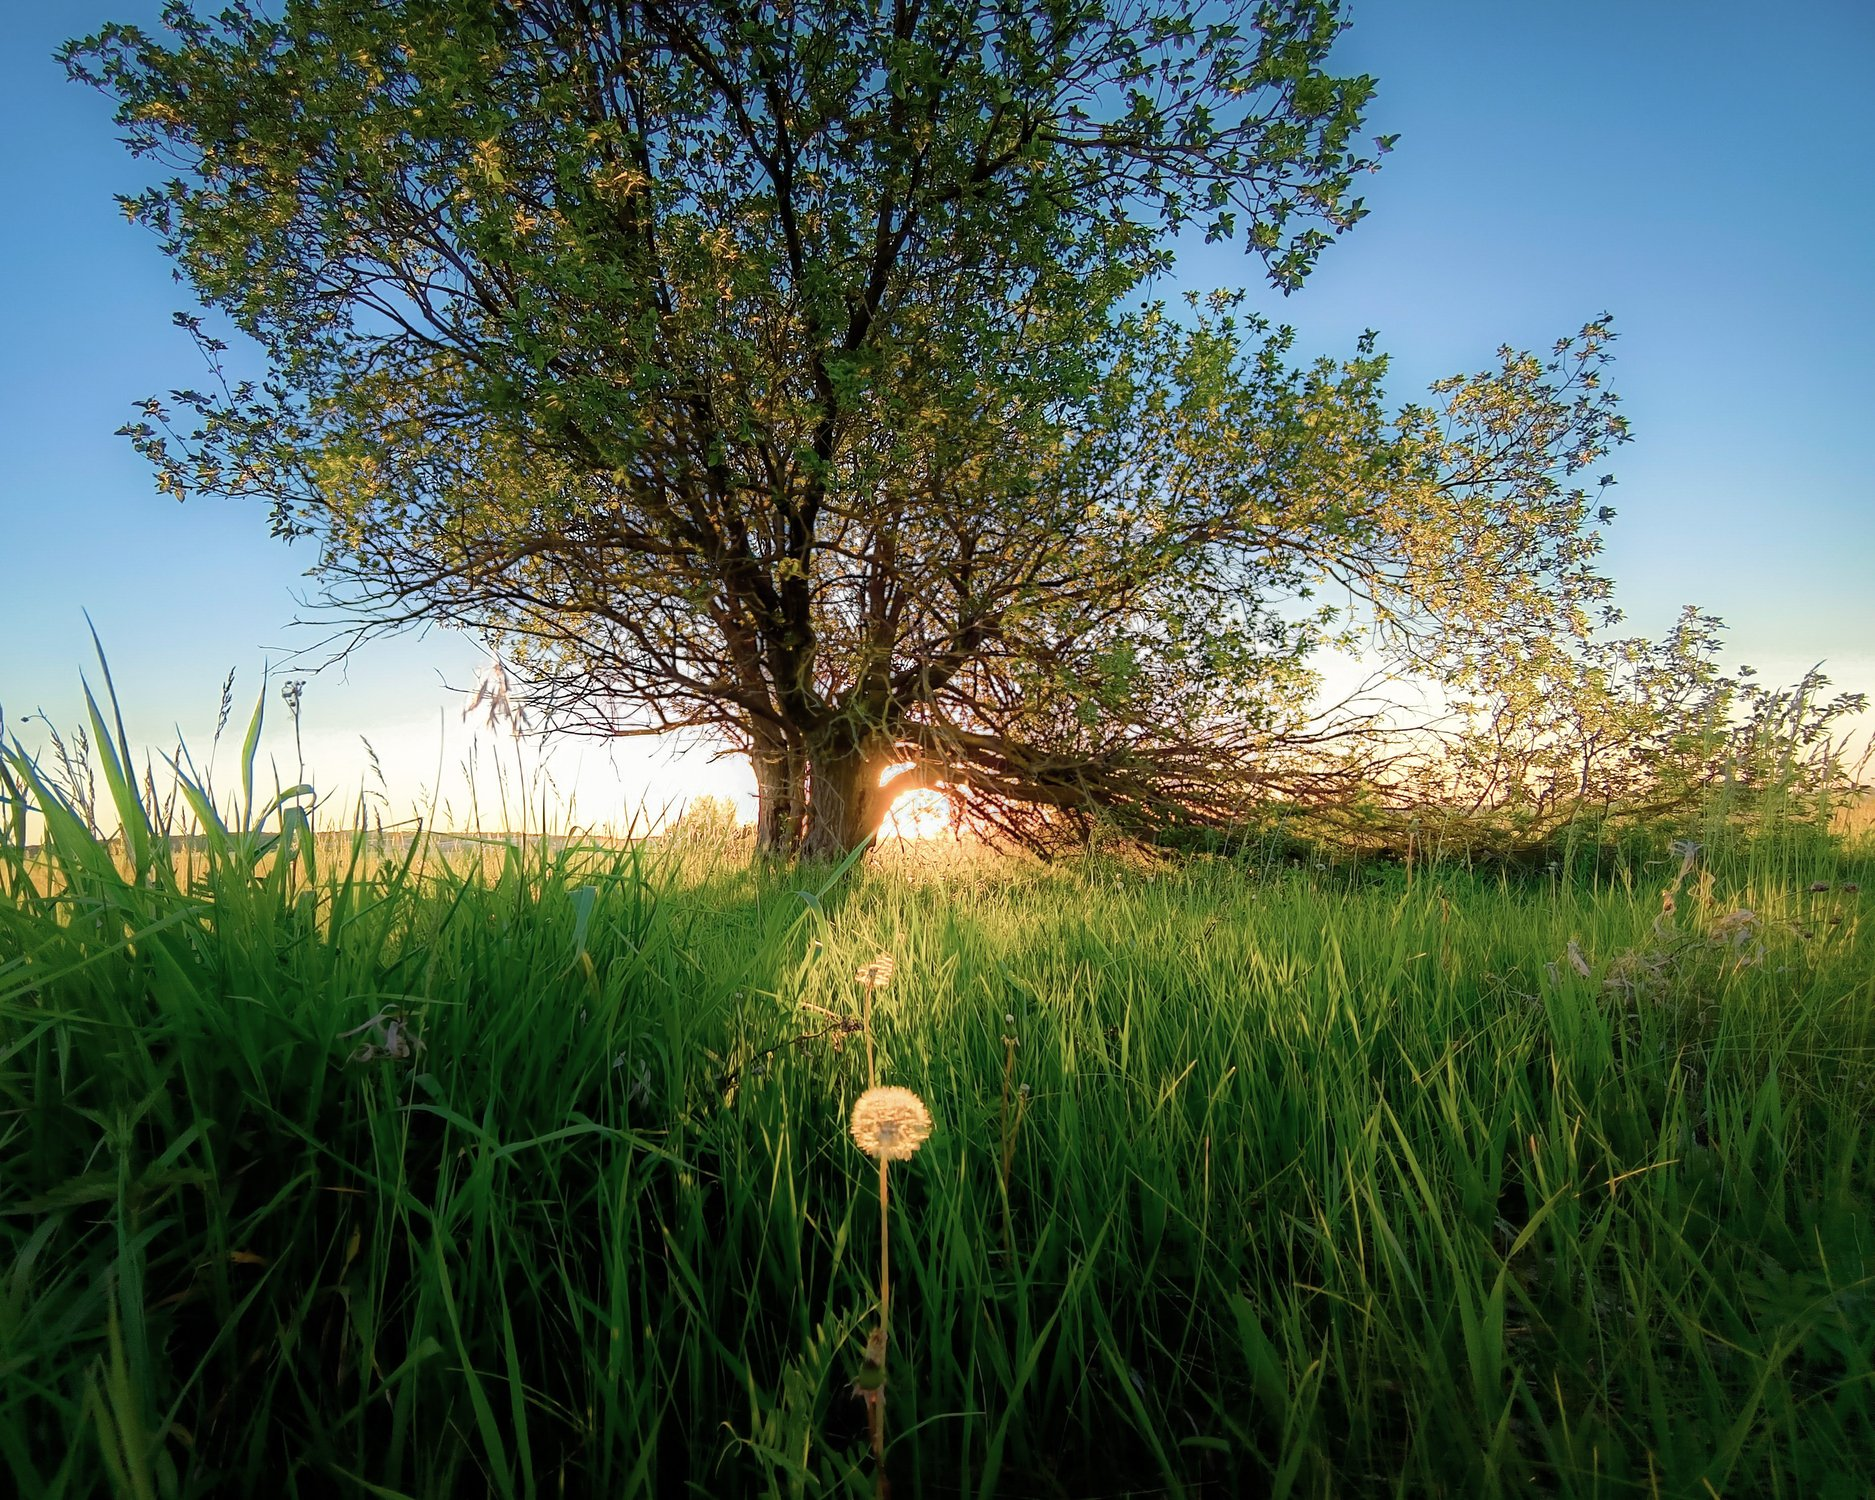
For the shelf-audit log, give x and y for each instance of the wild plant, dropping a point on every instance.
(873, 976)
(1011, 1121)
(889, 1124)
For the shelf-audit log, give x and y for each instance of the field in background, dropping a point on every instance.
(523, 1170)
(1854, 820)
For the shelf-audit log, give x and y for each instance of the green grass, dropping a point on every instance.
(1330, 1182)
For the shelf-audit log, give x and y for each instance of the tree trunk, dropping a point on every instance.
(845, 803)
(780, 797)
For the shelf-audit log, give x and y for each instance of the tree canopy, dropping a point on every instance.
(794, 373)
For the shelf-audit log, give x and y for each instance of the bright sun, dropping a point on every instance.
(918, 815)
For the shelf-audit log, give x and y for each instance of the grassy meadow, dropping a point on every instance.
(335, 1166)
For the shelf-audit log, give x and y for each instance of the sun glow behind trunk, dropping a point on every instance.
(918, 815)
(914, 814)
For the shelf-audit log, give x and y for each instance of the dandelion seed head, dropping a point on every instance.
(890, 1123)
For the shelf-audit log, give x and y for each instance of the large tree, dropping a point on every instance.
(787, 372)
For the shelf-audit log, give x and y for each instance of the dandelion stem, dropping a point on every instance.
(877, 1412)
(872, 1077)
(885, 1246)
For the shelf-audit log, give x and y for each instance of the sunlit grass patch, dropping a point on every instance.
(330, 1165)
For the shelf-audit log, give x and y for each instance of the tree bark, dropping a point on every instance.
(780, 797)
(845, 803)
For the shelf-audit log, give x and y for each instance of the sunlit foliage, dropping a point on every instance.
(794, 374)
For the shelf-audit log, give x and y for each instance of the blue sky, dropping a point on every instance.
(1697, 169)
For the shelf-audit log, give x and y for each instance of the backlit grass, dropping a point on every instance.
(327, 1171)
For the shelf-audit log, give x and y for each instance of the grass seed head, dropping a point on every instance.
(890, 1123)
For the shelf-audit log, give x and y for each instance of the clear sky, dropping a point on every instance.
(1701, 170)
